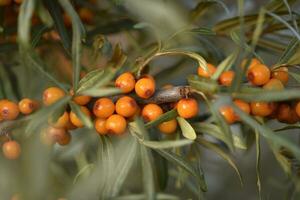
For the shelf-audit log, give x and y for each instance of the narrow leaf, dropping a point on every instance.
(187, 130)
(86, 120)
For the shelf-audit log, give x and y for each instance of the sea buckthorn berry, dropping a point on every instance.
(137, 113)
(258, 74)
(86, 15)
(116, 124)
(103, 108)
(253, 62)
(126, 82)
(207, 73)
(168, 127)
(286, 114)
(244, 106)
(297, 108)
(18, 1)
(75, 119)
(65, 139)
(226, 78)
(187, 108)
(52, 94)
(8, 110)
(228, 114)
(54, 134)
(62, 121)
(281, 74)
(69, 125)
(262, 109)
(145, 87)
(27, 106)
(151, 112)
(11, 150)
(126, 106)
(5, 2)
(82, 100)
(273, 84)
(100, 126)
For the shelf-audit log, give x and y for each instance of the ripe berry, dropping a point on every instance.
(211, 69)
(228, 114)
(297, 108)
(273, 84)
(187, 108)
(62, 121)
(226, 78)
(244, 106)
(281, 74)
(65, 139)
(151, 112)
(258, 74)
(126, 82)
(116, 124)
(5, 2)
(103, 108)
(286, 114)
(75, 119)
(8, 110)
(55, 134)
(18, 1)
(168, 127)
(52, 94)
(126, 106)
(27, 106)
(100, 126)
(11, 150)
(82, 100)
(253, 62)
(262, 109)
(145, 87)
(86, 15)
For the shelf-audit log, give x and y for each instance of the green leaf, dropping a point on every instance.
(166, 144)
(295, 76)
(186, 129)
(289, 51)
(202, 31)
(289, 127)
(201, 84)
(225, 65)
(259, 28)
(221, 153)
(159, 196)
(86, 120)
(175, 159)
(102, 92)
(267, 132)
(78, 35)
(83, 171)
(257, 166)
(163, 118)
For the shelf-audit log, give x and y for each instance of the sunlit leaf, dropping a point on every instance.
(102, 92)
(163, 118)
(186, 129)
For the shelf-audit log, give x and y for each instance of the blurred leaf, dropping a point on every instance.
(166, 144)
(202, 31)
(201, 84)
(56, 14)
(257, 166)
(163, 118)
(259, 28)
(159, 196)
(175, 159)
(289, 51)
(277, 5)
(282, 160)
(222, 153)
(102, 92)
(267, 132)
(295, 76)
(186, 129)
(203, 7)
(288, 127)
(78, 35)
(82, 171)
(161, 170)
(225, 65)
(37, 35)
(86, 120)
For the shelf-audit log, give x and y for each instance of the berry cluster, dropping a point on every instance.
(258, 75)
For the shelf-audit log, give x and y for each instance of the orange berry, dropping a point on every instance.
(258, 74)
(286, 114)
(8, 110)
(126, 82)
(52, 94)
(27, 106)
(297, 108)
(55, 134)
(65, 139)
(262, 109)
(62, 121)
(228, 114)
(273, 84)
(86, 15)
(75, 119)
(18, 1)
(253, 62)
(187, 108)
(151, 112)
(11, 150)
(103, 108)
(281, 74)
(70, 126)
(244, 106)
(116, 124)
(67, 20)
(82, 100)
(168, 127)
(5, 2)
(211, 69)
(100, 126)
(226, 78)
(126, 106)
(145, 87)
